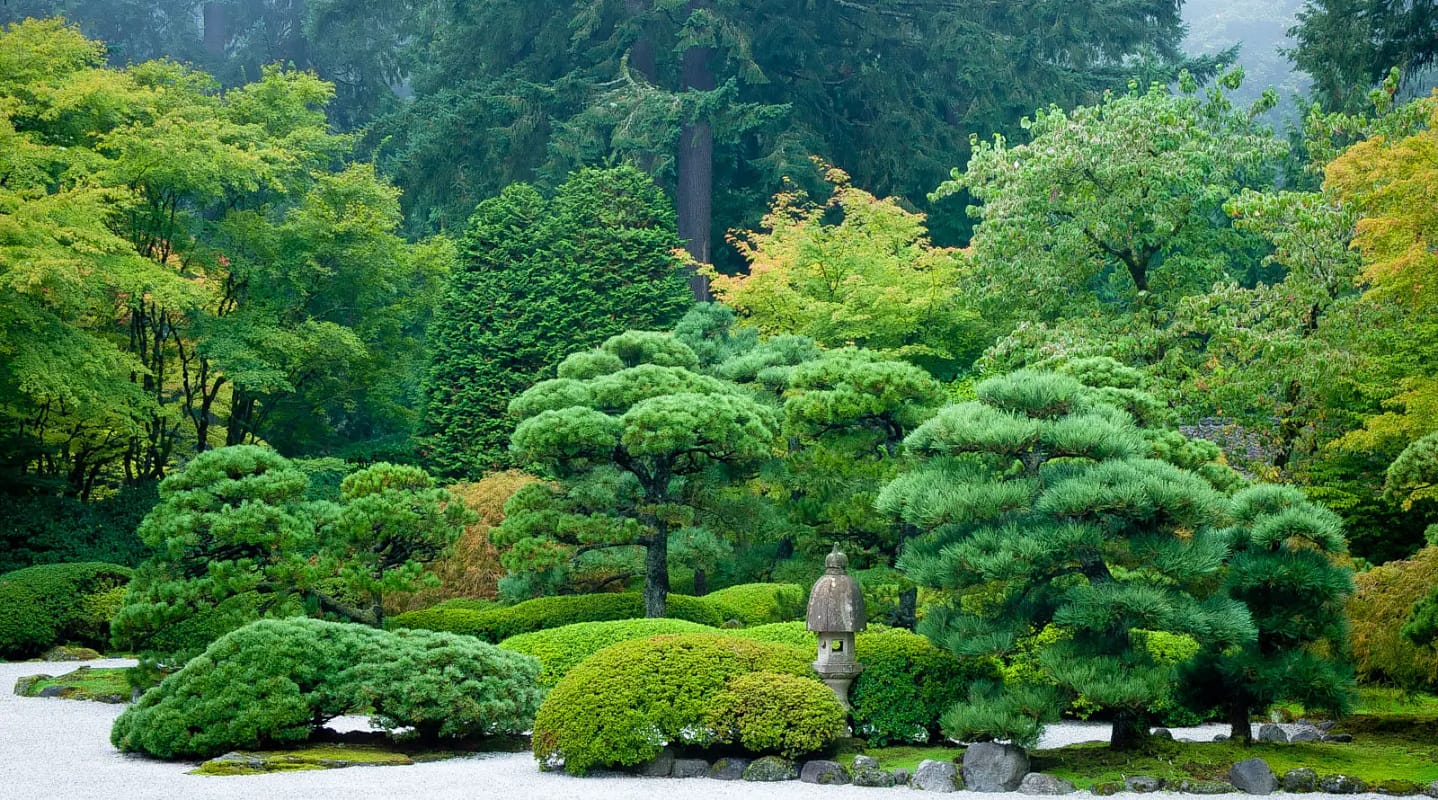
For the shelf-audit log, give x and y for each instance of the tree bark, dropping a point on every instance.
(694, 196)
(1239, 727)
(701, 583)
(907, 614)
(1130, 731)
(656, 574)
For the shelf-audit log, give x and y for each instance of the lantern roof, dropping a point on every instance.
(836, 603)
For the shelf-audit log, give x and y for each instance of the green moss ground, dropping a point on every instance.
(104, 684)
(320, 756)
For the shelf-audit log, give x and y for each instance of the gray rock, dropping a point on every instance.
(1432, 790)
(1300, 780)
(1162, 733)
(994, 767)
(1326, 725)
(1341, 784)
(1142, 784)
(865, 762)
(1271, 733)
(1253, 776)
(1341, 738)
(52, 691)
(239, 762)
(1306, 735)
(902, 777)
(1206, 787)
(729, 769)
(1222, 737)
(25, 687)
(828, 773)
(1039, 783)
(689, 768)
(880, 778)
(771, 768)
(660, 766)
(936, 776)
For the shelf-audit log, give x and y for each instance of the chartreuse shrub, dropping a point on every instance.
(274, 682)
(54, 604)
(542, 613)
(795, 634)
(762, 603)
(770, 712)
(624, 703)
(560, 649)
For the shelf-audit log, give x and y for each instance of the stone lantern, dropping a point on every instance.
(836, 613)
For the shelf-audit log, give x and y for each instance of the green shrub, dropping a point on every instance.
(44, 529)
(57, 604)
(275, 681)
(795, 634)
(542, 613)
(624, 703)
(907, 684)
(560, 649)
(762, 603)
(768, 712)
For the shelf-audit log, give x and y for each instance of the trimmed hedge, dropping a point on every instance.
(54, 604)
(769, 712)
(763, 603)
(624, 703)
(794, 634)
(542, 613)
(560, 649)
(275, 681)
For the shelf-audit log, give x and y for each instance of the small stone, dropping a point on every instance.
(936, 776)
(660, 766)
(1300, 780)
(52, 691)
(866, 762)
(1253, 776)
(771, 768)
(828, 773)
(689, 768)
(1326, 725)
(1162, 733)
(1306, 735)
(1142, 784)
(1340, 738)
(1107, 788)
(994, 767)
(25, 687)
(1271, 733)
(1222, 737)
(1398, 788)
(234, 763)
(902, 776)
(729, 769)
(1432, 790)
(879, 778)
(1040, 783)
(1206, 787)
(1341, 784)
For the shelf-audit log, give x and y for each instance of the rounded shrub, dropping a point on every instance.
(54, 604)
(560, 649)
(624, 703)
(768, 712)
(543, 613)
(762, 603)
(275, 681)
(906, 685)
(795, 634)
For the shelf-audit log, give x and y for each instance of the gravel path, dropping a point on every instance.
(53, 749)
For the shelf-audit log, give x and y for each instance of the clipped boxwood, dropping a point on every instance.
(54, 604)
(542, 613)
(625, 702)
(275, 681)
(795, 634)
(907, 684)
(762, 603)
(560, 649)
(768, 712)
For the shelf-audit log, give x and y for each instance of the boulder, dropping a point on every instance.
(1162, 733)
(1222, 737)
(235, 763)
(658, 767)
(70, 653)
(25, 687)
(1341, 784)
(1306, 735)
(729, 769)
(1040, 783)
(994, 767)
(1300, 780)
(1432, 790)
(1142, 784)
(1272, 733)
(1253, 776)
(936, 776)
(1106, 788)
(880, 778)
(1206, 787)
(828, 773)
(865, 762)
(689, 768)
(1325, 726)
(1341, 738)
(770, 769)
(1397, 788)
(902, 776)
(52, 691)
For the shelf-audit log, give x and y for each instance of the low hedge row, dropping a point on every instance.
(52, 604)
(277, 680)
(559, 650)
(500, 623)
(763, 603)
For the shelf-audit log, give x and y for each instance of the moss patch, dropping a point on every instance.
(324, 756)
(909, 757)
(103, 685)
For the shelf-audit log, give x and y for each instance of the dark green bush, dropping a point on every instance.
(907, 684)
(542, 613)
(560, 649)
(768, 712)
(44, 529)
(624, 703)
(275, 681)
(54, 604)
(763, 603)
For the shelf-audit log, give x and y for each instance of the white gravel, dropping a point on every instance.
(58, 749)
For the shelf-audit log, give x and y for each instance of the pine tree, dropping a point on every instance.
(1041, 506)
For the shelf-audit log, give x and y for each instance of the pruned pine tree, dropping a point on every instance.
(1041, 506)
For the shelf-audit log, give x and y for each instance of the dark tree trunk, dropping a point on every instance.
(701, 583)
(694, 198)
(216, 34)
(1239, 727)
(1130, 731)
(907, 614)
(656, 574)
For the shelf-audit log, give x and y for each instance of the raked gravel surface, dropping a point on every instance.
(53, 749)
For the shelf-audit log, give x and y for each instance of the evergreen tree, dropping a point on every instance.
(1284, 569)
(1038, 507)
(538, 279)
(1348, 46)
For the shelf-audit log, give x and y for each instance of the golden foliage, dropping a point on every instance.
(1385, 596)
